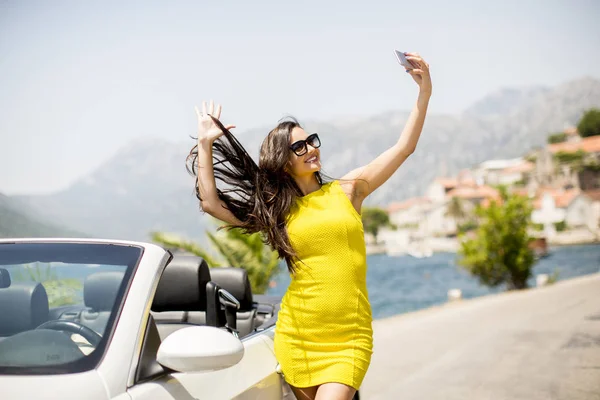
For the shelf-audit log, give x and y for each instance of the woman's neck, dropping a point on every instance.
(307, 184)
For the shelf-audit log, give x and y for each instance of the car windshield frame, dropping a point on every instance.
(76, 252)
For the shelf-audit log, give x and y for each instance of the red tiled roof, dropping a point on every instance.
(447, 182)
(404, 205)
(588, 145)
(485, 203)
(470, 192)
(562, 198)
(525, 166)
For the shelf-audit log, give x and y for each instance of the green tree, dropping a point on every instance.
(589, 124)
(234, 249)
(499, 252)
(373, 219)
(467, 226)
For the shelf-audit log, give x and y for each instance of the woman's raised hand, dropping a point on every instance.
(420, 73)
(207, 129)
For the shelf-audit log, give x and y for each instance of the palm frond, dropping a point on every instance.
(236, 249)
(174, 242)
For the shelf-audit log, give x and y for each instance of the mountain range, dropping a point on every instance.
(145, 186)
(16, 221)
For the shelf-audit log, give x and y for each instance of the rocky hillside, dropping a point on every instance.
(16, 221)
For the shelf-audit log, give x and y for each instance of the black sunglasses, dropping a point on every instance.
(300, 147)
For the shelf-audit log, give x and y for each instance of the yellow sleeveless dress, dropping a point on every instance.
(323, 332)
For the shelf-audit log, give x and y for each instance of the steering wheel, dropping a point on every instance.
(73, 327)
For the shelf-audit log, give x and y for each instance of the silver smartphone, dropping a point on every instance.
(402, 60)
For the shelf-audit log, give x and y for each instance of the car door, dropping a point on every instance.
(254, 377)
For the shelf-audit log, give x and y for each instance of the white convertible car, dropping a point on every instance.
(125, 320)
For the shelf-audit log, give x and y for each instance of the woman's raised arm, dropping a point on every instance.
(365, 180)
(208, 132)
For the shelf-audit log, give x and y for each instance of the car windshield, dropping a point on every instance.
(59, 302)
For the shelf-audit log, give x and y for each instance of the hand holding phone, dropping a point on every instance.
(417, 68)
(403, 60)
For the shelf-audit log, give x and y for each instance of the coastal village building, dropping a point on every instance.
(566, 197)
(549, 172)
(571, 207)
(502, 172)
(425, 222)
(566, 192)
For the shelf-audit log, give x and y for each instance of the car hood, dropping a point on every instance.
(85, 385)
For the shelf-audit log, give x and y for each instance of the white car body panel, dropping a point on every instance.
(85, 385)
(120, 361)
(254, 377)
(251, 378)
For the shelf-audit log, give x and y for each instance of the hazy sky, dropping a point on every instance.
(80, 79)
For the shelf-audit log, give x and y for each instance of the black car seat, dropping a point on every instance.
(180, 298)
(99, 294)
(23, 306)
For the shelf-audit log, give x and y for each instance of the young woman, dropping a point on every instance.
(323, 336)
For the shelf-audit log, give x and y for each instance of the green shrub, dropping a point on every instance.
(557, 138)
(560, 226)
(589, 124)
(538, 227)
(569, 158)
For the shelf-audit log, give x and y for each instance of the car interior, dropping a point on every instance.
(183, 298)
(25, 318)
(180, 300)
(99, 293)
(188, 294)
(29, 300)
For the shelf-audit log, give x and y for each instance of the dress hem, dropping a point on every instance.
(322, 383)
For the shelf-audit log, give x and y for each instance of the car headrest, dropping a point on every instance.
(23, 306)
(236, 282)
(100, 290)
(4, 278)
(182, 286)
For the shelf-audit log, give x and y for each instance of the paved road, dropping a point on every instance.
(536, 344)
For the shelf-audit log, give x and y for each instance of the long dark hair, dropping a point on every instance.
(260, 196)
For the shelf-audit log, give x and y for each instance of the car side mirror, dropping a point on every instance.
(200, 348)
(4, 278)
